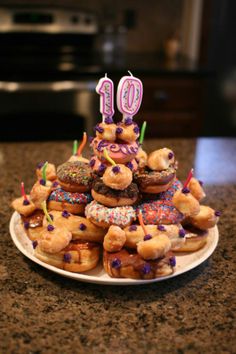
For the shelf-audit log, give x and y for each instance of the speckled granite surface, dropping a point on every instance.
(43, 313)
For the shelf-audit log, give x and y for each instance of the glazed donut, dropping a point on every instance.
(161, 159)
(205, 219)
(80, 158)
(106, 131)
(159, 212)
(134, 234)
(155, 247)
(112, 197)
(196, 189)
(80, 227)
(195, 239)
(117, 177)
(120, 153)
(51, 174)
(40, 192)
(72, 202)
(22, 206)
(167, 195)
(78, 256)
(185, 202)
(127, 131)
(141, 157)
(54, 239)
(99, 166)
(104, 217)
(154, 181)
(114, 239)
(33, 224)
(129, 264)
(74, 176)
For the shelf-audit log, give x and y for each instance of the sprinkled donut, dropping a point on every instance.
(72, 202)
(119, 152)
(161, 210)
(105, 216)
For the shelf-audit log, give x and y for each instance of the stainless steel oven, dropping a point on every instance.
(47, 73)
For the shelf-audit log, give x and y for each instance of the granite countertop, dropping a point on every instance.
(43, 313)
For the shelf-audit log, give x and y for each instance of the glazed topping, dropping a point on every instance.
(106, 131)
(160, 159)
(54, 241)
(154, 248)
(119, 179)
(75, 172)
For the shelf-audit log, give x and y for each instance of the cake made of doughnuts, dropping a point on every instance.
(121, 206)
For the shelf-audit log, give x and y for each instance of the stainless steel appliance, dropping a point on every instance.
(47, 81)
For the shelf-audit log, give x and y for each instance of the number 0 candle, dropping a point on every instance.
(129, 96)
(105, 88)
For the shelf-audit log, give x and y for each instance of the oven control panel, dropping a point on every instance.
(47, 20)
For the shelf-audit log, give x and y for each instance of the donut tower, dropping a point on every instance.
(122, 203)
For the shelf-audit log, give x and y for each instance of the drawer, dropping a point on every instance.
(170, 124)
(171, 94)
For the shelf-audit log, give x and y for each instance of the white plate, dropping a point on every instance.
(184, 261)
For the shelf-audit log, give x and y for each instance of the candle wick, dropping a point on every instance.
(106, 75)
(130, 73)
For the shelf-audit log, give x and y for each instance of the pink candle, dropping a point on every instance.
(129, 95)
(105, 88)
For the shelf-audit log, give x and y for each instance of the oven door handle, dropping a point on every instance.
(52, 86)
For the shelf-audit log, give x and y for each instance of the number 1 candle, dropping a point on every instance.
(105, 88)
(129, 96)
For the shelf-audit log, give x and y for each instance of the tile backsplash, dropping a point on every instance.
(153, 20)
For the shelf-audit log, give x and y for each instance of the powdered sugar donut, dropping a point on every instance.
(120, 153)
(99, 166)
(105, 216)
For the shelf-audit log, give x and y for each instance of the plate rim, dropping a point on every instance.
(112, 281)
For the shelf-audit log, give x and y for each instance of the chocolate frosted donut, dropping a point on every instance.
(113, 197)
(129, 264)
(74, 176)
(154, 181)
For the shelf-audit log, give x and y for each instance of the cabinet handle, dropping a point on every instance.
(161, 95)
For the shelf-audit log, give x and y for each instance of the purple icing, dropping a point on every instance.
(65, 214)
(119, 130)
(26, 202)
(82, 227)
(124, 148)
(130, 165)
(34, 244)
(40, 165)
(99, 129)
(90, 139)
(55, 184)
(182, 233)
(116, 169)
(128, 121)
(170, 155)
(201, 183)
(185, 190)
(50, 227)
(102, 168)
(42, 182)
(217, 213)
(67, 257)
(92, 162)
(108, 120)
(161, 228)
(132, 228)
(173, 261)
(147, 237)
(136, 130)
(146, 268)
(26, 225)
(116, 263)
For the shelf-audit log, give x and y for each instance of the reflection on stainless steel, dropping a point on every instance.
(215, 161)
